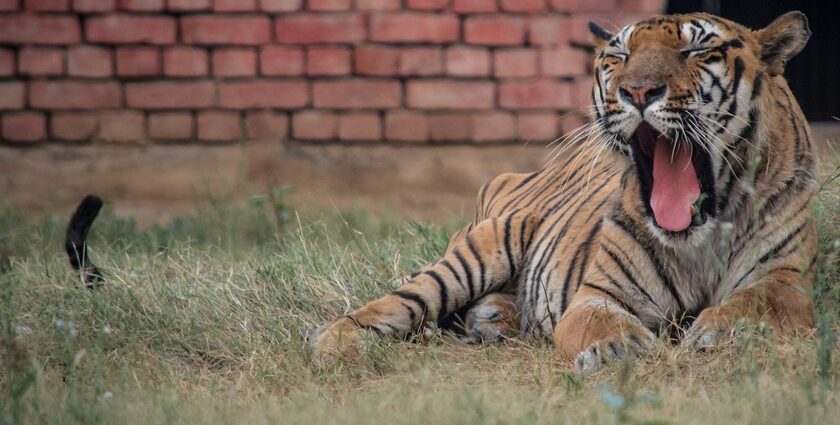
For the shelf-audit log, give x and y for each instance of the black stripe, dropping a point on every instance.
(455, 274)
(467, 271)
(414, 298)
(444, 295)
(508, 248)
(481, 266)
(612, 296)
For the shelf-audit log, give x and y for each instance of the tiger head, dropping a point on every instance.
(677, 95)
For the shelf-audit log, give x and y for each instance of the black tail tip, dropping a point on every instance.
(90, 203)
(77, 230)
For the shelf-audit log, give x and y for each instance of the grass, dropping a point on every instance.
(199, 323)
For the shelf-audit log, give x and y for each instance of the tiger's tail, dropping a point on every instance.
(74, 242)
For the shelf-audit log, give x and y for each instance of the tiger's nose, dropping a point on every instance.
(641, 96)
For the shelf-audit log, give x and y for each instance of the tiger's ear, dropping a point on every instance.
(599, 35)
(782, 40)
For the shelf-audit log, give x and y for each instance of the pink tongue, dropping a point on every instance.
(675, 186)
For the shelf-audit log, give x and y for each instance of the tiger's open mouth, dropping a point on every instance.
(676, 179)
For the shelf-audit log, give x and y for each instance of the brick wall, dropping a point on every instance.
(158, 71)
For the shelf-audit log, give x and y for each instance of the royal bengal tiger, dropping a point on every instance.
(684, 203)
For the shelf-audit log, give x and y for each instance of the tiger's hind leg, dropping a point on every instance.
(481, 262)
(494, 317)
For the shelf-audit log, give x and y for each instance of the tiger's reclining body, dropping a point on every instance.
(697, 208)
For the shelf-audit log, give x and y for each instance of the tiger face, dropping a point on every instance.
(677, 95)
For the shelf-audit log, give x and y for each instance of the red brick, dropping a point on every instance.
(647, 6)
(548, 30)
(234, 5)
(171, 125)
(577, 6)
(563, 62)
(413, 28)
(474, 6)
(377, 4)
(188, 5)
(387, 61)
(7, 62)
(545, 94)
(494, 30)
(39, 29)
(93, 6)
(449, 94)
(328, 5)
(376, 60)
(140, 5)
(184, 62)
(450, 127)
(138, 61)
(219, 126)
(360, 126)
(493, 127)
(468, 61)
(536, 126)
(122, 126)
(357, 93)
(314, 125)
(427, 4)
(280, 60)
(523, 5)
(9, 5)
(406, 126)
(280, 5)
(515, 63)
(113, 29)
(41, 61)
(256, 94)
(234, 62)
(89, 61)
(12, 95)
(309, 29)
(422, 61)
(264, 125)
(73, 126)
(220, 29)
(24, 126)
(47, 5)
(170, 94)
(328, 61)
(70, 94)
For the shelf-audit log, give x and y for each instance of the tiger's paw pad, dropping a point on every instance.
(599, 355)
(709, 336)
(702, 338)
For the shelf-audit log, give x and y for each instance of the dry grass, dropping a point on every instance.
(199, 324)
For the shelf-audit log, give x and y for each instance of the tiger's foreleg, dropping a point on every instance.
(598, 329)
(781, 299)
(481, 262)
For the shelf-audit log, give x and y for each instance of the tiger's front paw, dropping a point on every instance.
(337, 340)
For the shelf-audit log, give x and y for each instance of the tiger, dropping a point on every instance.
(684, 204)
(681, 211)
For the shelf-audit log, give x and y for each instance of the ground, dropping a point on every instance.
(200, 320)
